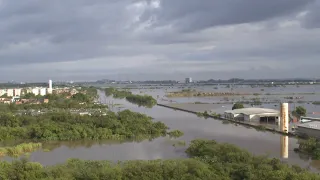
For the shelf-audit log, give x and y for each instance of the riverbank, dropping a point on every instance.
(257, 126)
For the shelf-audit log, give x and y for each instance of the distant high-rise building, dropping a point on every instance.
(50, 84)
(188, 80)
(49, 90)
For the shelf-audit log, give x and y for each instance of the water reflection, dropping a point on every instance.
(284, 144)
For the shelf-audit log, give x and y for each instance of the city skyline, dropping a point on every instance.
(151, 39)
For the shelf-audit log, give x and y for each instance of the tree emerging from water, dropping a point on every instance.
(237, 106)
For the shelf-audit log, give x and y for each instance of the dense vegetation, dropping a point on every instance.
(175, 133)
(67, 126)
(142, 100)
(310, 146)
(208, 160)
(237, 106)
(20, 149)
(299, 111)
(117, 93)
(230, 162)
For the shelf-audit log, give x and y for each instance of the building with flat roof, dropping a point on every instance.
(311, 129)
(253, 114)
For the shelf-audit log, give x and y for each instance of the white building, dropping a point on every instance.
(43, 91)
(50, 84)
(254, 114)
(10, 92)
(35, 91)
(188, 80)
(49, 90)
(17, 92)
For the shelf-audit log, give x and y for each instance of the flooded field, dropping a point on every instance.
(270, 97)
(257, 142)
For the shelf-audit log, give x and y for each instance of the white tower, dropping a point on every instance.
(50, 87)
(50, 84)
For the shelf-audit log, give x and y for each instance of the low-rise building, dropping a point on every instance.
(45, 100)
(311, 129)
(73, 92)
(5, 100)
(253, 114)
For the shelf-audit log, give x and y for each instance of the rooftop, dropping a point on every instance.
(311, 125)
(249, 111)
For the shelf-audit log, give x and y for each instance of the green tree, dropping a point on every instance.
(29, 96)
(299, 111)
(237, 106)
(80, 97)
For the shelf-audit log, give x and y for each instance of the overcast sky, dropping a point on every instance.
(160, 39)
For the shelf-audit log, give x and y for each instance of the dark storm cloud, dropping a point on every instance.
(191, 15)
(59, 30)
(82, 38)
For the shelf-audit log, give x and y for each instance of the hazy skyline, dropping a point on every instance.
(165, 39)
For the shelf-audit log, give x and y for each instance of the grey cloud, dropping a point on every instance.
(190, 15)
(312, 18)
(82, 39)
(73, 30)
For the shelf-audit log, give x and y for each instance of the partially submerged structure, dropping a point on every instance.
(311, 129)
(254, 114)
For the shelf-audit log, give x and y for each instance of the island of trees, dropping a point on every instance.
(141, 100)
(208, 160)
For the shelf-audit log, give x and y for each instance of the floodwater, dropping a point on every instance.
(193, 127)
(302, 95)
